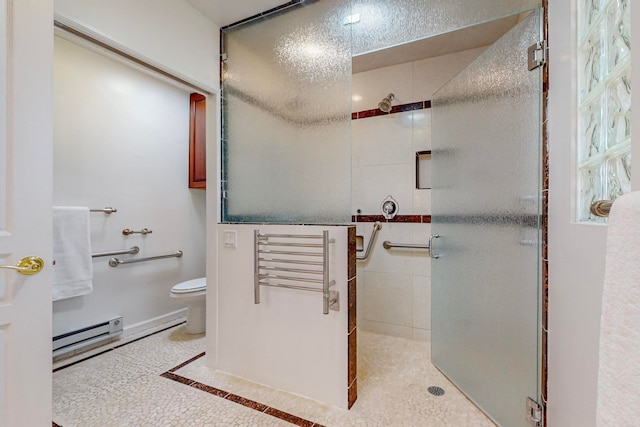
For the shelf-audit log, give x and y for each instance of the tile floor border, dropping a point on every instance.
(248, 403)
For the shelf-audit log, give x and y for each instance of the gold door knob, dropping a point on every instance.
(27, 265)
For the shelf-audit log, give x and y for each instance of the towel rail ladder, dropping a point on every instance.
(269, 271)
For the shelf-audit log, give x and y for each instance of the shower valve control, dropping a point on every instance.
(389, 207)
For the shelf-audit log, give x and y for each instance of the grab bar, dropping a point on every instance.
(388, 245)
(114, 262)
(134, 250)
(601, 208)
(268, 273)
(376, 227)
(108, 210)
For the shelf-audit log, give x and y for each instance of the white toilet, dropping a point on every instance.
(193, 293)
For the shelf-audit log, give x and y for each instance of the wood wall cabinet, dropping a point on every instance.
(197, 142)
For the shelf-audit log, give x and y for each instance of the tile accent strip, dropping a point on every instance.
(352, 347)
(424, 219)
(420, 105)
(251, 404)
(545, 220)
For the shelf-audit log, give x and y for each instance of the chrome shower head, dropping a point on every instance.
(385, 104)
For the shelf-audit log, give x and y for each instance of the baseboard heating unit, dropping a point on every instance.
(82, 339)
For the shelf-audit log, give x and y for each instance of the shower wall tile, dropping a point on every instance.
(421, 302)
(371, 86)
(386, 298)
(421, 200)
(397, 261)
(422, 130)
(359, 133)
(381, 181)
(385, 139)
(357, 191)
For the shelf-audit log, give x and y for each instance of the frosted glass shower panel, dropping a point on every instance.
(486, 209)
(604, 101)
(385, 23)
(287, 117)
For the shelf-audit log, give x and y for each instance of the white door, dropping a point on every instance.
(26, 133)
(576, 251)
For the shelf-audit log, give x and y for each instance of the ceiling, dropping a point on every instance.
(455, 41)
(225, 12)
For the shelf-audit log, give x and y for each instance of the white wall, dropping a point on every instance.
(576, 251)
(394, 286)
(170, 33)
(121, 140)
(285, 341)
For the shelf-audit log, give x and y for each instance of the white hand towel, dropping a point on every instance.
(619, 372)
(73, 268)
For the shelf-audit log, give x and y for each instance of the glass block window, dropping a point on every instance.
(604, 103)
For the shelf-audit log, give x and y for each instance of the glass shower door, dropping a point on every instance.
(286, 101)
(486, 210)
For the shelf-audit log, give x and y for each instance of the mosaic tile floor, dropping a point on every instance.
(162, 380)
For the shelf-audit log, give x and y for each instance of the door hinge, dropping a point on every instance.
(534, 412)
(224, 57)
(537, 54)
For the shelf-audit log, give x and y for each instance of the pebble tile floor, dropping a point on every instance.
(147, 383)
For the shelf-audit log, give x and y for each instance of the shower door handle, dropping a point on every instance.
(431, 254)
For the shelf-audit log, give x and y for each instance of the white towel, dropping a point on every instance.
(73, 268)
(619, 372)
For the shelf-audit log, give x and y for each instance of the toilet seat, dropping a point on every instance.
(190, 286)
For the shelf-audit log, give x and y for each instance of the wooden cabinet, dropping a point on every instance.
(197, 142)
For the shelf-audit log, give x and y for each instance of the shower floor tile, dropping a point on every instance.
(123, 387)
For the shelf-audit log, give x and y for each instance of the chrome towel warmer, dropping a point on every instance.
(310, 264)
(114, 262)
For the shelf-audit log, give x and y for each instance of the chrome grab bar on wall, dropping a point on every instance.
(265, 265)
(601, 208)
(114, 262)
(133, 250)
(388, 245)
(107, 210)
(376, 227)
